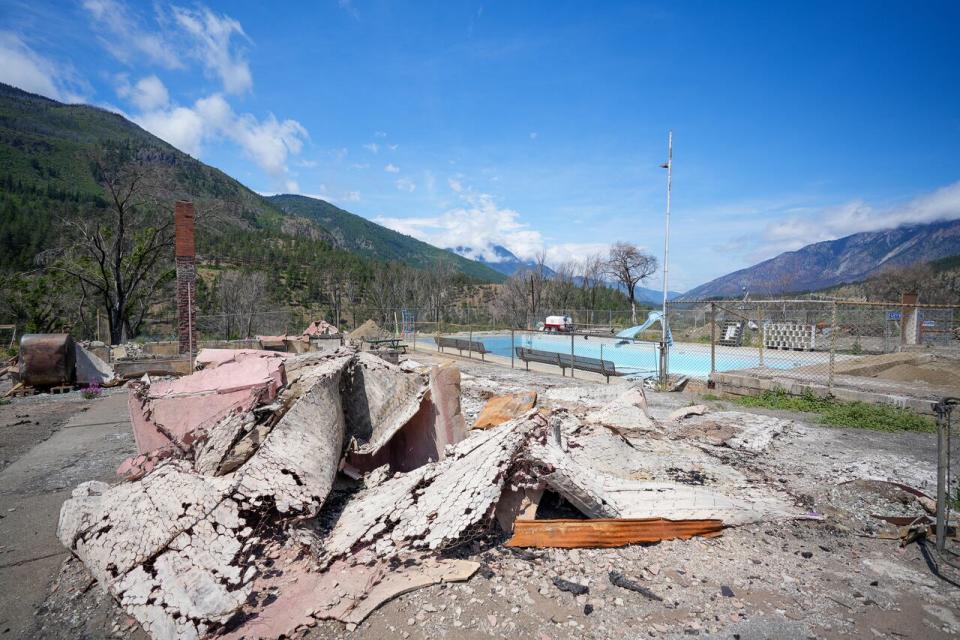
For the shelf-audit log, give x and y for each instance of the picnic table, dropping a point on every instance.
(391, 343)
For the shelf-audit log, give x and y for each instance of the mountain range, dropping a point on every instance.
(368, 239)
(45, 170)
(849, 259)
(509, 263)
(506, 263)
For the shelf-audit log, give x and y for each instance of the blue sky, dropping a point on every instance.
(539, 126)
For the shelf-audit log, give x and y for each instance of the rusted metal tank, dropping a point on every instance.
(47, 359)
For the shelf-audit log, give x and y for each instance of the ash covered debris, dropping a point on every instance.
(217, 533)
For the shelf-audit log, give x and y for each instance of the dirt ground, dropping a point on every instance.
(831, 574)
(941, 373)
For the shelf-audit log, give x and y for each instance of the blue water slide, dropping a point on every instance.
(652, 317)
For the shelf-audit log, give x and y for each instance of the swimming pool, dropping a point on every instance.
(640, 358)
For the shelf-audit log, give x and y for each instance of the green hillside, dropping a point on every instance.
(45, 173)
(359, 235)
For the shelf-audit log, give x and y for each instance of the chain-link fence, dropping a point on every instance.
(807, 341)
(228, 326)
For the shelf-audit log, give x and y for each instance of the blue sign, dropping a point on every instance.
(893, 315)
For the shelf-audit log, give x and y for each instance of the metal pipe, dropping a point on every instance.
(762, 330)
(666, 259)
(713, 337)
(833, 343)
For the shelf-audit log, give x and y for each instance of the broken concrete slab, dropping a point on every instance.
(379, 399)
(165, 413)
(91, 370)
(295, 466)
(627, 412)
(748, 432)
(684, 412)
(433, 506)
(212, 358)
(438, 424)
(347, 591)
(500, 409)
(166, 547)
(603, 475)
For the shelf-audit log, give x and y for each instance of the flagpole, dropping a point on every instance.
(666, 259)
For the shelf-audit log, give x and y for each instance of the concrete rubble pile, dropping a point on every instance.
(225, 524)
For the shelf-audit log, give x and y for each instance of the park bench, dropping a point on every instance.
(605, 368)
(461, 345)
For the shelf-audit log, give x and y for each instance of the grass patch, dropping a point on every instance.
(835, 413)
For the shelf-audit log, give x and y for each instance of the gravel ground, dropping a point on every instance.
(833, 575)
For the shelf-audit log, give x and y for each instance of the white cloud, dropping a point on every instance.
(268, 142)
(352, 196)
(149, 94)
(360, 165)
(373, 147)
(178, 33)
(830, 223)
(392, 168)
(455, 184)
(406, 184)
(212, 35)
(567, 251)
(379, 134)
(292, 186)
(182, 127)
(479, 224)
(393, 147)
(123, 35)
(24, 68)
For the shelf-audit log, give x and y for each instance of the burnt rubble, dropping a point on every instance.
(214, 529)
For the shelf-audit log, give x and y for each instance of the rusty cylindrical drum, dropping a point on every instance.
(47, 359)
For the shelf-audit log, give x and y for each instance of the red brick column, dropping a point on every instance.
(186, 276)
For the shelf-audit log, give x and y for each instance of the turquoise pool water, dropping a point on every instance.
(635, 358)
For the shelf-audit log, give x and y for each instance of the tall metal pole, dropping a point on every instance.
(666, 260)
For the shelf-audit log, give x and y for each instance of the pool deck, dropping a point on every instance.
(427, 346)
(808, 371)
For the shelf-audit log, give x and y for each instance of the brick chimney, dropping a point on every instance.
(186, 276)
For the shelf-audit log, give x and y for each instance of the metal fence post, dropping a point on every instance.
(414, 336)
(513, 348)
(943, 464)
(760, 330)
(572, 362)
(833, 342)
(713, 337)
(470, 348)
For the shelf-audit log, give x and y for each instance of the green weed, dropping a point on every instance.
(835, 413)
